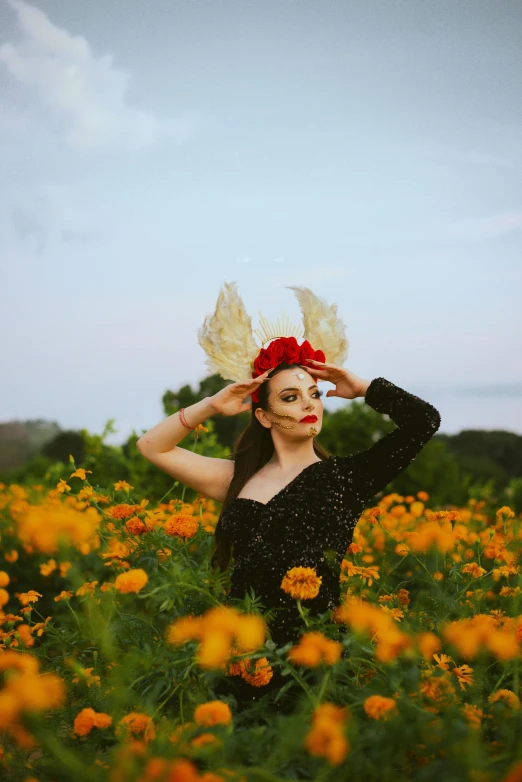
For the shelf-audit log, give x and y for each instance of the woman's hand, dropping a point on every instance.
(347, 385)
(231, 399)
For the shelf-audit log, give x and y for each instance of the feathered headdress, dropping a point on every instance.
(228, 340)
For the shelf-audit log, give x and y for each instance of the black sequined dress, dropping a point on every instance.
(310, 522)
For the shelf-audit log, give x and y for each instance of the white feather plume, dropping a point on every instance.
(323, 328)
(227, 337)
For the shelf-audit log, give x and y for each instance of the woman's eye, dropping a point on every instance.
(291, 398)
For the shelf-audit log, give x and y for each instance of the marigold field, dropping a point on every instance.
(114, 635)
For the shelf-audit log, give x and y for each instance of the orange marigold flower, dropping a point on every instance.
(136, 723)
(378, 707)
(326, 736)
(200, 741)
(464, 675)
(212, 713)
(474, 570)
(123, 511)
(28, 597)
(135, 526)
(473, 714)
(46, 568)
(64, 595)
(4, 578)
(301, 583)
(507, 696)
(87, 719)
(11, 556)
(131, 581)
(4, 597)
(181, 525)
(86, 589)
(313, 649)
(262, 670)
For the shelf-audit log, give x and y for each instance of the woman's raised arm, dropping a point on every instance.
(372, 470)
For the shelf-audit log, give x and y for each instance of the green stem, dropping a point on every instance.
(300, 609)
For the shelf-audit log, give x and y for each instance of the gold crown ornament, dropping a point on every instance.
(227, 338)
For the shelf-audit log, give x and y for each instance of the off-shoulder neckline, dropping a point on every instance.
(281, 491)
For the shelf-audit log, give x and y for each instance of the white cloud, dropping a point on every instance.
(85, 95)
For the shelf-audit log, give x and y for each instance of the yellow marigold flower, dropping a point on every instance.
(181, 525)
(164, 553)
(507, 696)
(443, 661)
(123, 486)
(80, 472)
(87, 719)
(136, 723)
(301, 583)
(313, 649)
(378, 707)
(212, 713)
(4, 578)
(64, 595)
(131, 581)
(401, 549)
(28, 597)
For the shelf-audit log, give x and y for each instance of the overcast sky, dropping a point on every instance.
(150, 152)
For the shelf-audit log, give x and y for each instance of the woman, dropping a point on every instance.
(285, 501)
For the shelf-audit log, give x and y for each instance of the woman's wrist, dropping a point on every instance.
(198, 412)
(364, 387)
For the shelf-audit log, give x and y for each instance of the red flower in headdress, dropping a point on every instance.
(283, 349)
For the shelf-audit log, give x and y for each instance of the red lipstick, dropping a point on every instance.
(308, 419)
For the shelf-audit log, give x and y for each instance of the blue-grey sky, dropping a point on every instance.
(150, 152)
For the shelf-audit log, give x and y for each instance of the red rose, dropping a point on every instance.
(262, 362)
(292, 350)
(277, 351)
(307, 351)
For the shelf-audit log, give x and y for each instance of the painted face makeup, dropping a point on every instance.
(291, 395)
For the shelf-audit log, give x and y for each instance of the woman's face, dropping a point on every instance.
(294, 396)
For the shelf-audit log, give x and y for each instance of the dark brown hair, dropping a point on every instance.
(252, 450)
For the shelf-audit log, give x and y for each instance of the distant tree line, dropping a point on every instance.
(451, 468)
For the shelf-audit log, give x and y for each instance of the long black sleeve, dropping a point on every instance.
(372, 470)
